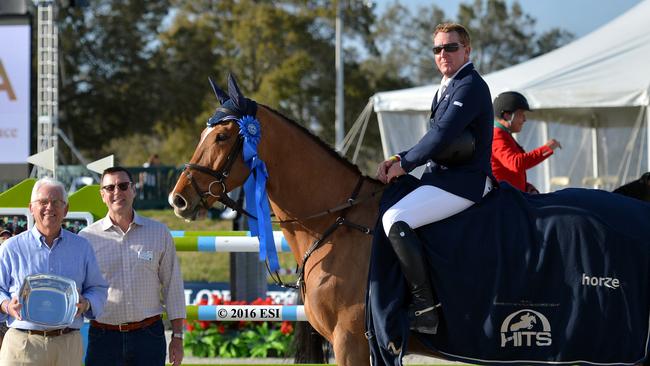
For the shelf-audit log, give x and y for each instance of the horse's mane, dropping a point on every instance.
(321, 143)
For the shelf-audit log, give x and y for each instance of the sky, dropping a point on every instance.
(577, 16)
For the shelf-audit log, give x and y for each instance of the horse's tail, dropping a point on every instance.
(310, 346)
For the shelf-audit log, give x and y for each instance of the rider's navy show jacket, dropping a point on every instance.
(466, 103)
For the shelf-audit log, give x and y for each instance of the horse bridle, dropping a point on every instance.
(222, 174)
(220, 177)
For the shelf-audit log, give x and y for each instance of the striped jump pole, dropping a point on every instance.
(223, 241)
(256, 313)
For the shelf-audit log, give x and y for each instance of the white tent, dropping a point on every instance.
(592, 95)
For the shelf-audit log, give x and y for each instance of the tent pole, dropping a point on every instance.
(339, 125)
(594, 153)
(382, 135)
(546, 168)
(647, 130)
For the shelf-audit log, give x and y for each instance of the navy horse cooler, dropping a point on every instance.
(558, 278)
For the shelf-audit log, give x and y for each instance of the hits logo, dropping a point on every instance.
(526, 328)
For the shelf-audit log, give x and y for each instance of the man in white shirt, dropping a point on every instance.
(138, 258)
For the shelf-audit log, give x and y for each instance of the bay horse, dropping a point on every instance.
(305, 179)
(324, 205)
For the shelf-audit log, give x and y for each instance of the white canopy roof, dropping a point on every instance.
(609, 67)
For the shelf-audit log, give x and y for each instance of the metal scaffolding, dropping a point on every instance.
(47, 74)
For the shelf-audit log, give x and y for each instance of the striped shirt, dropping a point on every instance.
(141, 268)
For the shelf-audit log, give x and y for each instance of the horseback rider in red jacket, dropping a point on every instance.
(509, 160)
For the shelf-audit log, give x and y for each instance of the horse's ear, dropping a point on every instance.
(243, 104)
(220, 94)
(234, 92)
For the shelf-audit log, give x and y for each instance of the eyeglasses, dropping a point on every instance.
(44, 202)
(449, 47)
(122, 186)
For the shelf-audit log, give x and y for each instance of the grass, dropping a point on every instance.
(208, 267)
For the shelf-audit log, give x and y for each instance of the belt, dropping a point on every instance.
(126, 327)
(48, 333)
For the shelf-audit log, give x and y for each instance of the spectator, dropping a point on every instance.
(19, 229)
(509, 160)
(47, 249)
(4, 235)
(138, 258)
(148, 178)
(15, 222)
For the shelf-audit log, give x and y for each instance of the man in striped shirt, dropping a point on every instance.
(137, 257)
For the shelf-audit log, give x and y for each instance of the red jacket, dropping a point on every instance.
(510, 160)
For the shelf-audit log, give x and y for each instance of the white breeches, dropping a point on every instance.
(427, 204)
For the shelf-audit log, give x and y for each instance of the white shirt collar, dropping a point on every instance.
(445, 81)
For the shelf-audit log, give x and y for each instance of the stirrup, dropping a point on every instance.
(425, 320)
(420, 312)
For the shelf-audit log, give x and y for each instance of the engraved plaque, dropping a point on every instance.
(49, 300)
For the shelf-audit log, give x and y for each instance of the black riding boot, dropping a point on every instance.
(408, 248)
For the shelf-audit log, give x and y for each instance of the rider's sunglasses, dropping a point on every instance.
(122, 186)
(449, 47)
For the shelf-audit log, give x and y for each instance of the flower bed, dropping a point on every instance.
(239, 339)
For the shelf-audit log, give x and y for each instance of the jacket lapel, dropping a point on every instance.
(452, 84)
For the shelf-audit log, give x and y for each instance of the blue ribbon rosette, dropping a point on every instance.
(257, 202)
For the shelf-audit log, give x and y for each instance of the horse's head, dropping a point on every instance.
(216, 166)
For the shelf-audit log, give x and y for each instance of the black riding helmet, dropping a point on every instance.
(509, 102)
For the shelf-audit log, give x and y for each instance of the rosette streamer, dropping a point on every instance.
(257, 202)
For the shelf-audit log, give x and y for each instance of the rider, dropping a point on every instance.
(462, 102)
(509, 159)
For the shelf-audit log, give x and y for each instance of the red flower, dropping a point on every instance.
(204, 324)
(286, 328)
(190, 327)
(221, 329)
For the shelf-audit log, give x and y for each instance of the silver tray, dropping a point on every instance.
(49, 300)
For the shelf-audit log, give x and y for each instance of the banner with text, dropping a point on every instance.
(15, 61)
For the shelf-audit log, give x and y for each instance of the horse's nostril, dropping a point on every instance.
(179, 202)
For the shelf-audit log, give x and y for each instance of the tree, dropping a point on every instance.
(110, 76)
(404, 41)
(502, 37)
(135, 73)
(281, 52)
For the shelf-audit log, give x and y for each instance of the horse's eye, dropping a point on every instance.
(222, 137)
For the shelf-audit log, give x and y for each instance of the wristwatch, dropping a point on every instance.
(177, 335)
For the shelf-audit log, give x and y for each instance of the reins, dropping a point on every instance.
(340, 221)
(220, 177)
